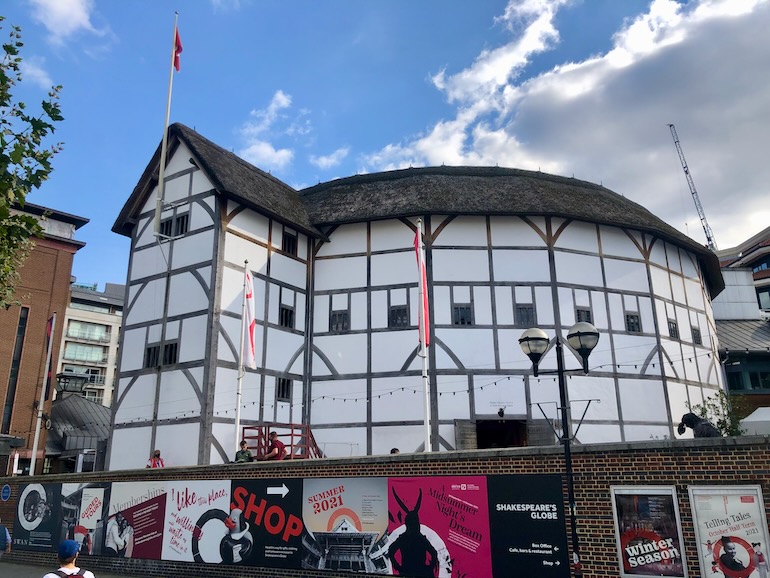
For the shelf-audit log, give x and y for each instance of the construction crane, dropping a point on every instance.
(710, 242)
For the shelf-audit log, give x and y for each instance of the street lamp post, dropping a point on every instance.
(582, 337)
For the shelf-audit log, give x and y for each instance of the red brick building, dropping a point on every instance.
(42, 290)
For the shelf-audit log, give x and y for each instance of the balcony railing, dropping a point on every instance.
(84, 358)
(88, 336)
(298, 438)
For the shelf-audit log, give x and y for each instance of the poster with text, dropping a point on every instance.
(38, 515)
(439, 527)
(196, 519)
(135, 520)
(265, 524)
(731, 530)
(346, 525)
(527, 522)
(648, 532)
(83, 511)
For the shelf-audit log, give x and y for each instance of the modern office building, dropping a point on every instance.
(42, 290)
(89, 341)
(336, 291)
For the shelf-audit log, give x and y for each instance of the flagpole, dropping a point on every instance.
(164, 142)
(42, 398)
(241, 369)
(423, 336)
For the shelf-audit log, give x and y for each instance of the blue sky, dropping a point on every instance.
(312, 91)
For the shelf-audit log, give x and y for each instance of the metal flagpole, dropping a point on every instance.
(164, 142)
(423, 335)
(42, 398)
(241, 369)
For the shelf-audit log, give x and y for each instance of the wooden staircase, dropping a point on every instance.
(298, 438)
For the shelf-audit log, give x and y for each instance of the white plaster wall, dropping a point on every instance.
(391, 350)
(579, 236)
(288, 270)
(617, 242)
(631, 351)
(358, 310)
(545, 391)
(129, 448)
(238, 250)
(677, 288)
(515, 232)
(394, 268)
(347, 239)
(475, 265)
(473, 347)
(224, 433)
(391, 234)
(346, 352)
(226, 390)
(174, 443)
(132, 353)
(177, 188)
(149, 303)
(482, 305)
(642, 400)
(599, 310)
(148, 261)
(329, 407)
(187, 294)
(281, 347)
(462, 232)
(199, 216)
(193, 249)
(504, 305)
(341, 273)
(407, 438)
(453, 398)
(672, 254)
(137, 402)
(177, 395)
(660, 282)
(249, 223)
(544, 313)
(626, 275)
(521, 265)
(498, 392)
(397, 399)
(192, 345)
(657, 252)
(582, 388)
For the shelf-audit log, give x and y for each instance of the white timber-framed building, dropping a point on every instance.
(336, 284)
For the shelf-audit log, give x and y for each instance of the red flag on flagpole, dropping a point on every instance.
(249, 354)
(177, 50)
(424, 288)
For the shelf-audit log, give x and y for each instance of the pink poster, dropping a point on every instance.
(439, 527)
(135, 523)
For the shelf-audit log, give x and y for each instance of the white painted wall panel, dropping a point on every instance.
(231, 328)
(180, 161)
(193, 345)
(249, 223)
(348, 353)
(696, 394)
(616, 242)
(579, 236)
(391, 234)
(341, 443)
(645, 312)
(145, 231)
(626, 275)
(660, 282)
(148, 305)
(544, 306)
(188, 294)
(566, 307)
(677, 288)
(578, 269)
(147, 262)
(340, 301)
(226, 390)
(321, 314)
(200, 183)
(177, 189)
(694, 293)
(343, 273)
(347, 239)
(447, 432)
(452, 404)
(642, 400)
(130, 448)
(474, 347)
(677, 400)
(462, 232)
(482, 305)
(299, 313)
(406, 438)
(288, 270)
(379, 309)
(328, 404)
(132, 352)
(523, 294)
(544, 390)
(395, 404)
(193, 249)
(598, 433)
(137, 401)
(176, 449)
(586, 387)
(172, 330)
(224, 434)
(646, 432)
(274, 298)
(617, 313)
(689, 265)
(520, 265)
(674, 263)
(599, 310)
(238, 250)
(504, 305)
(631, 351)
(442, 312)
(658, 252)
(475, 265)
(391, 350)
(514, 232)
(149, 204)
(177, 396)
(510, 394)
(281, 347)
(394, 268)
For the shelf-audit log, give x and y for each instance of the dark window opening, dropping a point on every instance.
(181, 225)
(399, 316)
(583, 314)
(503, 433)
(286, 316)
(289, 243)
(283, 389)
(633, 323)
(170, 353)
(166, 227)
(696, 336)
(152, 356)
(673, 329)
(13, 378)
(339, 321)
(525, 315)
(462, 315)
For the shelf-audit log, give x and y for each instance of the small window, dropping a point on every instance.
(696, 337)
(289, 243)
(283, 389)
(339, 321)
(399, 316)
(152, 356)
(166, 227)
(673, 329)
(181, 224)
(583, 314)
(633, 323)
(525, 315)
(170, 353)
(462, 315)
(286, 316)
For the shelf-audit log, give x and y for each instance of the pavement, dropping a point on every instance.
(30, 571)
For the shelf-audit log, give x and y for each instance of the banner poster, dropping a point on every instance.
(731, 530)
(648, 532)
(528, 526)
(346, 525)
(38, 514)
(83, 514)
(196, 516)
(264, 524)
(134, 526)
(439, 527)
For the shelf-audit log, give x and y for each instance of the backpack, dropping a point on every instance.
(65, 575)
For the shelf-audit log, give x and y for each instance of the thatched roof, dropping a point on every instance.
(489, 191)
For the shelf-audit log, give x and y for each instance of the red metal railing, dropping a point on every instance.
(298, 438)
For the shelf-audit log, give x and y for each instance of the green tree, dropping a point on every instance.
(723, 412)
(25, 163)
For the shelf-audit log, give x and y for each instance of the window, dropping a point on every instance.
(399, 316)
(282, 389)
(13, 378)
(170, 353)
(181, 224)
(289, 243)
(166, 227)
(286, 316)
(152, 356)
(94, 374)
(696, 337)
(525, 315)
(633, 323)
(88, 307)
(95, 395)
(88, 331)
(673, 329)
(82, 352)
(760, 379)
(583, 314)
(462, 315)
(339, 321)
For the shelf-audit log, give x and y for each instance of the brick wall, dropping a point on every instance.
(728, 461)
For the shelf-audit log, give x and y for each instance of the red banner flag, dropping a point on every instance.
(249, 355)
(177, 50)
(424, 286)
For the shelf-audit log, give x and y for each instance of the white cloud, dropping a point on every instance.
(331, 160)
(265, 156)
(32, 70)
(604, 119)
(63, 18)
(266, 117)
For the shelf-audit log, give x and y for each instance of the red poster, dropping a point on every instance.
(439, 527)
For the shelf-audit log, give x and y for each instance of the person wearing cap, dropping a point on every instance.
(68, 555)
